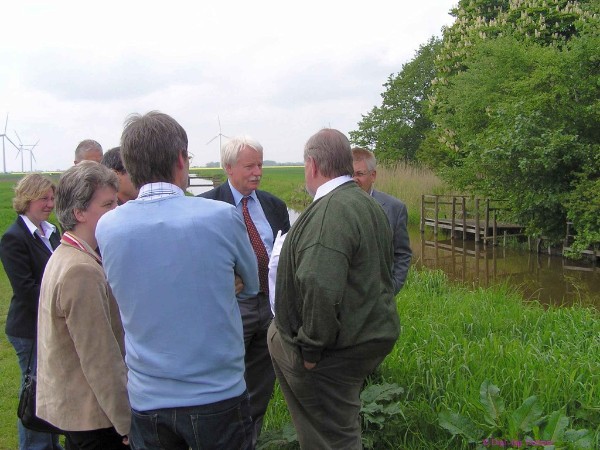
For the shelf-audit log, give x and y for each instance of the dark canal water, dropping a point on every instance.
(551, 280)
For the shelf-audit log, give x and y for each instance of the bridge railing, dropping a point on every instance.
(463, 215)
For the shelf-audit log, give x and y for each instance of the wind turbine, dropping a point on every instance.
(22, 148)
(32, 156)
(220, 135)
(5, 137)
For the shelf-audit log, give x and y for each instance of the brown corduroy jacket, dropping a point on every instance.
(81, 374)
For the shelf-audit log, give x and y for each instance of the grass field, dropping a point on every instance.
(404, 182)
(452, 340)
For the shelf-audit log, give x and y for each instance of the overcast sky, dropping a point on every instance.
(275, 70)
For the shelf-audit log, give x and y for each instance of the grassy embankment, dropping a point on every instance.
(452, 340)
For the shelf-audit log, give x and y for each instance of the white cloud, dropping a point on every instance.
(278, 71)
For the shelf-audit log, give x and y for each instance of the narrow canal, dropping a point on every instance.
(552, 280)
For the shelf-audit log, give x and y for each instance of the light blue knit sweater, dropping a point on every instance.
(170, 263)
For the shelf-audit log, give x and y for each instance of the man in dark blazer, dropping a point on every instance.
(365, 175)
(242, 159)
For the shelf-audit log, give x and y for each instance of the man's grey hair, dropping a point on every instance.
(86, 146)
(150, 147)
(112, 160)
(230, 151)
(330, 150)
(76, 188)
(362, 154)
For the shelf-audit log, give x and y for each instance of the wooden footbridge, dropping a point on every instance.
(465, 218)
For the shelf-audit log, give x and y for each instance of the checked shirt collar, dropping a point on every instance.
(154, 191)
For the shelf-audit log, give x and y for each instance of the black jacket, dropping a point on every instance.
(24, 257)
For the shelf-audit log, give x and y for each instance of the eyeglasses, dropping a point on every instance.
(362, 174)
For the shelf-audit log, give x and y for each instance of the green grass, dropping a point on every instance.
(9, 376)
(9, 367)
(404, 182)
(453, 339)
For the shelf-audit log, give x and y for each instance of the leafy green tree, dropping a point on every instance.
(396, 129)
(516, 109)
(545, 22)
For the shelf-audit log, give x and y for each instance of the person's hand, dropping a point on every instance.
(309, 365)
(239, 284)
(125, 440)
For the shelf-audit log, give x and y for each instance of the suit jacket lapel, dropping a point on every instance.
(269, 213)
(35, 239)
(226, 194)
(55, 240)
(378, 198)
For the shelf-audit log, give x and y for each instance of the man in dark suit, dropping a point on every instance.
(365, 175)
(264, 215)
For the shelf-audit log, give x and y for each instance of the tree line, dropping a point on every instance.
(506, 104)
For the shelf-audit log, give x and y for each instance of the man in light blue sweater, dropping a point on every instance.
(171, 261)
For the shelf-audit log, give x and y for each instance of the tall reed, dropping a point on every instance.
(408, 183)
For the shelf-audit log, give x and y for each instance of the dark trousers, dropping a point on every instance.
(223, 425)
(259, 375)
(102, 439)
(324, 402)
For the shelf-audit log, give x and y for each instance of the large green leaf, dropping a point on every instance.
(525, 416)
(580, 439)
(493, 404)
(381, 393)
(555, 427)
(461, 425)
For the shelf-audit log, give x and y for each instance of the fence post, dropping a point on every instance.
(487, 221)
(477, 220)
(494, 230)
(464, 215)
(437, 213)
(422, 213)
(453, 223)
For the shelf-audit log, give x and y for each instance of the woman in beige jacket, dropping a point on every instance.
(81, 372)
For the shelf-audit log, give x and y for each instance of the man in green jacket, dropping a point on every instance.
(335, 314)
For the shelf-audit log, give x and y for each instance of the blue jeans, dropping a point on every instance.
(224, 425)
(29, 439)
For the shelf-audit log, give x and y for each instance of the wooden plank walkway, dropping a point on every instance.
(479, 220)
(470, 225)
(475, 218)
